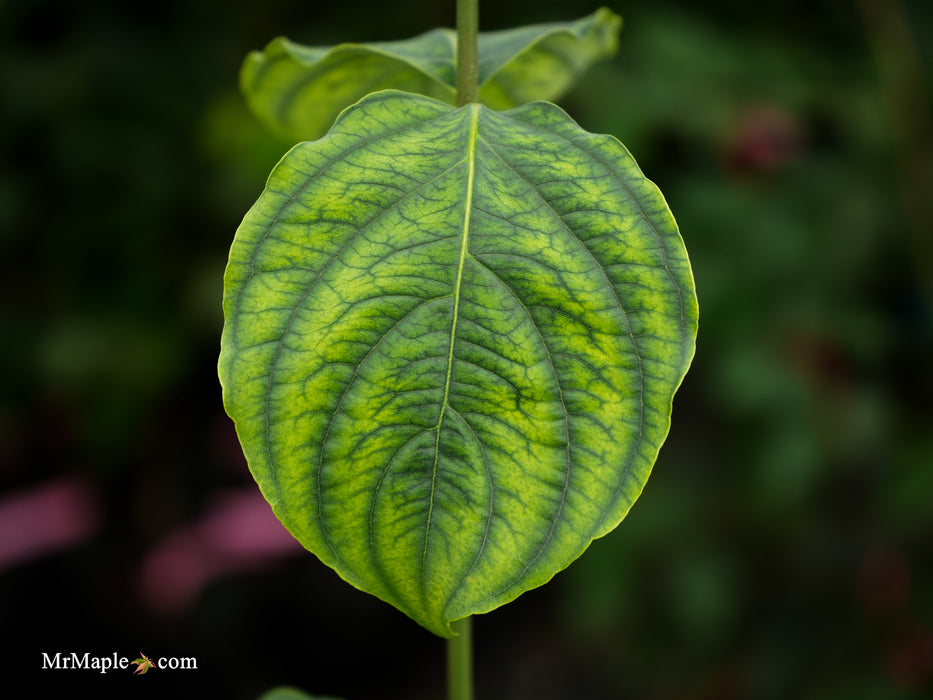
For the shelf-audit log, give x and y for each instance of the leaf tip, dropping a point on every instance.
(606, 26)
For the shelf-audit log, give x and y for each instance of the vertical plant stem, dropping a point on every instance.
(460, 648)
(460, 661)
(467, 54)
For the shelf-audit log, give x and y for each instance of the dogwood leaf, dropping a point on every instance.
(297, 91)
(452, 338)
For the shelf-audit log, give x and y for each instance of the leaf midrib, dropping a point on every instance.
(467, 210)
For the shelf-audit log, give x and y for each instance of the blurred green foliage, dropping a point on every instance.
(784, 545)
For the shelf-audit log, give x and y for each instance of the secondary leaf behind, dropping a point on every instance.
(297, 91)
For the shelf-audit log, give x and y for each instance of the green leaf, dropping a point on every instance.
(543, 62)
(451, 342)
(289, 693)
(298, 91)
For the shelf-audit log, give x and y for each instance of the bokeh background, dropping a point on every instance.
(783, 547)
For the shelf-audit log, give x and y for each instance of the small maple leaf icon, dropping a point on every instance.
(143, 664)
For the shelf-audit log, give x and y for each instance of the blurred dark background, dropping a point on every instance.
(783, 547)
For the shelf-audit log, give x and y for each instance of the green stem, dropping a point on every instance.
(467, 55)
(460, 661)
(460, 647)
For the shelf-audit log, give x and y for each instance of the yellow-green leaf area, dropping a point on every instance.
(452, 339)
(297, 91)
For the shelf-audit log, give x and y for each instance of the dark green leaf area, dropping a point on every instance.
(451, 344)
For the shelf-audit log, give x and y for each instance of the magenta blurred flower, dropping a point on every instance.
(238, 533)
(45, 519)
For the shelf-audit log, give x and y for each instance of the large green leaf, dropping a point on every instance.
(451, 344)
(298, 91)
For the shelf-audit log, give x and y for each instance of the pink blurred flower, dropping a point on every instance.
(45, 519)
(238, 533)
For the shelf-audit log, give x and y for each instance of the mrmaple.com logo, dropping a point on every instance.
(85, 662)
